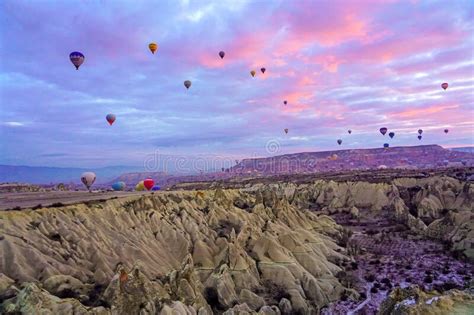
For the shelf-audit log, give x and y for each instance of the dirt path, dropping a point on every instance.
(19, 201)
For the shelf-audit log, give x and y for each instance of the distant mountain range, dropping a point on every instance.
(423, 156)
(46, 175)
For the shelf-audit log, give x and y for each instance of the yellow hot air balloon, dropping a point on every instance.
(140, 186)
(153, 47)
(252, 73)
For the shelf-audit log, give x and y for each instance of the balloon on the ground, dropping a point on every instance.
(383, 130)
(252, 73)
(110, 118)
(155, 188)
(77, 58)
(187, 84)
(88, 178)
(140, 186)
(148, 183)
(339, 141)
(118, 186)
(420, 131)
(221, 54)
(263, 70)
(153, 47)
(444, 85)
(391, 134)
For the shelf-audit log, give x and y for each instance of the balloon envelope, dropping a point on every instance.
(263, 70)
(153, 47)
(221, 54)
(140, 186)
(88, 178)
(386, 145)
(419, 137)
(446, 130)
(420, 131)
(155, 188)
(252, 73)
(285, 102)
(118, 186)
(383, 130)
(286, 130)
(339, 141)
(349, 131)
(77, 58)
(391, 134)
(148, 183)
(187, 84)
(110, 118)
(444, 85)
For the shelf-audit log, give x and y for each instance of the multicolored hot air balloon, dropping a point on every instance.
(88, 178)
(419, 137)
(383, 130)
(221, 54)
(420, 131)
(110, 118)
(286, 130)
(386, 145)
(263, 70)
(252, 73)
(77, 58)
(349, 131)
(140, 186)
(285, 102)
(444, 85)
(155, 188)
(446, 130)
(391, 134)
(339, 141)
(153, 47)
(187, 84)
(118, 186)
(148, 183)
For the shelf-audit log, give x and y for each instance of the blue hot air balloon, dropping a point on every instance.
(386, 145)
(76, 58)
(118, 186)
(155, 188)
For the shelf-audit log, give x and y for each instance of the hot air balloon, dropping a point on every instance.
(444, 85)
(252, 73)
(386, 145)
(118, 186)
(349, 131)
(420, 131)
(419, 137)
(446, 130)
(263, 70)
(187, 84)
(110, 118)
(383, 130)
(153, 47)
(148, 183)
(140, 186)
(88, 178)
(76, 58)
(155, 188)
(285, 102)
(339, 141)
(391, 134)
(221, 54)
(286, 130)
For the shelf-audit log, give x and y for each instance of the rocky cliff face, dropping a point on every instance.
(266, 248)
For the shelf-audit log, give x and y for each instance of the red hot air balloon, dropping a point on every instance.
(444, 85)
(110, 118)
(148, 183)
(383, 130)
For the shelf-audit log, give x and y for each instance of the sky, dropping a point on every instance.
(340, 65)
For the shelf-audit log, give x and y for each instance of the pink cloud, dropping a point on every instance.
(422, 112)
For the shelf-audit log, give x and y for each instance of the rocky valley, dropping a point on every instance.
(377, 244)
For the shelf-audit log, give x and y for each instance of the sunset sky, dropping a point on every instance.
(341, 65)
